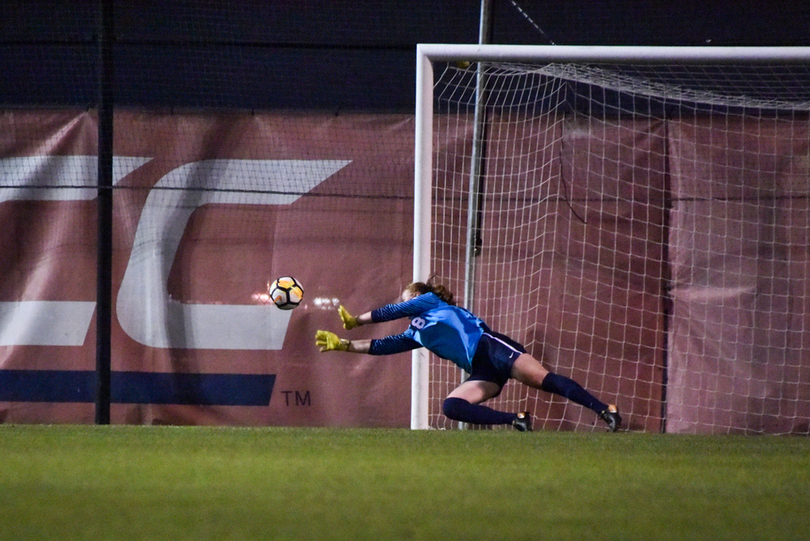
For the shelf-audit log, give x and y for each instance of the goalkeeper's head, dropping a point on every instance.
(415, 289)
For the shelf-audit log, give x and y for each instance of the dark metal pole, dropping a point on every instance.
(475, 210)
(105, 207)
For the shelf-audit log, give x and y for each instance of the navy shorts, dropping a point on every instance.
(494, 358)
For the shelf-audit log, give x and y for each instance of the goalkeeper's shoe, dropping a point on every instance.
(611, 417)
(522, 422)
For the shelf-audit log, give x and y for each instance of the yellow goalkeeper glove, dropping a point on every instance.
(349, 321)
(329, 341)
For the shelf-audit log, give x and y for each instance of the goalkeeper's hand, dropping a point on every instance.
(349, 321)
(329, 341)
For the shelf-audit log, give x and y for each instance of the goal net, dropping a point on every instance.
(638, 218)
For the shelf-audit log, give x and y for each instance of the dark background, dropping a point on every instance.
(323, 54)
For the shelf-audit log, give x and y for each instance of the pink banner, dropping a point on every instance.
(666, 276)
(740, 256)
(208, 209)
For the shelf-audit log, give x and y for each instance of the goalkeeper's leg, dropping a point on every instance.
(463, 405)
(531, 372)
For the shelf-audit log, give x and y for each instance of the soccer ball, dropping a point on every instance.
(286, 292)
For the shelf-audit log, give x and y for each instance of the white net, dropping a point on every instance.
(642, 229)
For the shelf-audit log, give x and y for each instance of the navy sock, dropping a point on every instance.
(573, 391)
(459, 409)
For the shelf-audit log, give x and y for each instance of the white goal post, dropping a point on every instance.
(577, 179)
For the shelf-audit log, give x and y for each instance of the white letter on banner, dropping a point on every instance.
(144, 308)
(51, 178)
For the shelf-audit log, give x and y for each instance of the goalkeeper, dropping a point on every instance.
(455, 334)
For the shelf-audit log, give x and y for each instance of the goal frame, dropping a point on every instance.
(427, 54)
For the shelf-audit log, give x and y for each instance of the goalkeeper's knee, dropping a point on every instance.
(455, 408)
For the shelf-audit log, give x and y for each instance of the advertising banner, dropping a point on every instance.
(208, 209)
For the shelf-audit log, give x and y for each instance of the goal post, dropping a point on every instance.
(421, 227)
(628, 196)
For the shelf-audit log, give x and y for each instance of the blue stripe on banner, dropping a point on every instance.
(138, 387)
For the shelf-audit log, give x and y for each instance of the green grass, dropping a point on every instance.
(176, 483)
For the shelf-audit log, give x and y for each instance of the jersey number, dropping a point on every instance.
(418, 323)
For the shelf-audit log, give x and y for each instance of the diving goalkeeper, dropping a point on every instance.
(455, 334)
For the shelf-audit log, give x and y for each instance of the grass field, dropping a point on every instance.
(177, 483)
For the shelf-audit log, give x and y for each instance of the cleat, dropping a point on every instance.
(611, 417)
(523, 422)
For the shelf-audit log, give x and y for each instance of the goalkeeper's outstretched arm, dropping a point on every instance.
(329, 341)
(350, 321)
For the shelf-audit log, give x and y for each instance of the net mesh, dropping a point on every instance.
(642, 229)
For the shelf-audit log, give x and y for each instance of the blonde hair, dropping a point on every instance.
(420, 288)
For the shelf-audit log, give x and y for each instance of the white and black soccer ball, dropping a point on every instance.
(286, 292)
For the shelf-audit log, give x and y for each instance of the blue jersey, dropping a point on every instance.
(448, 331)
